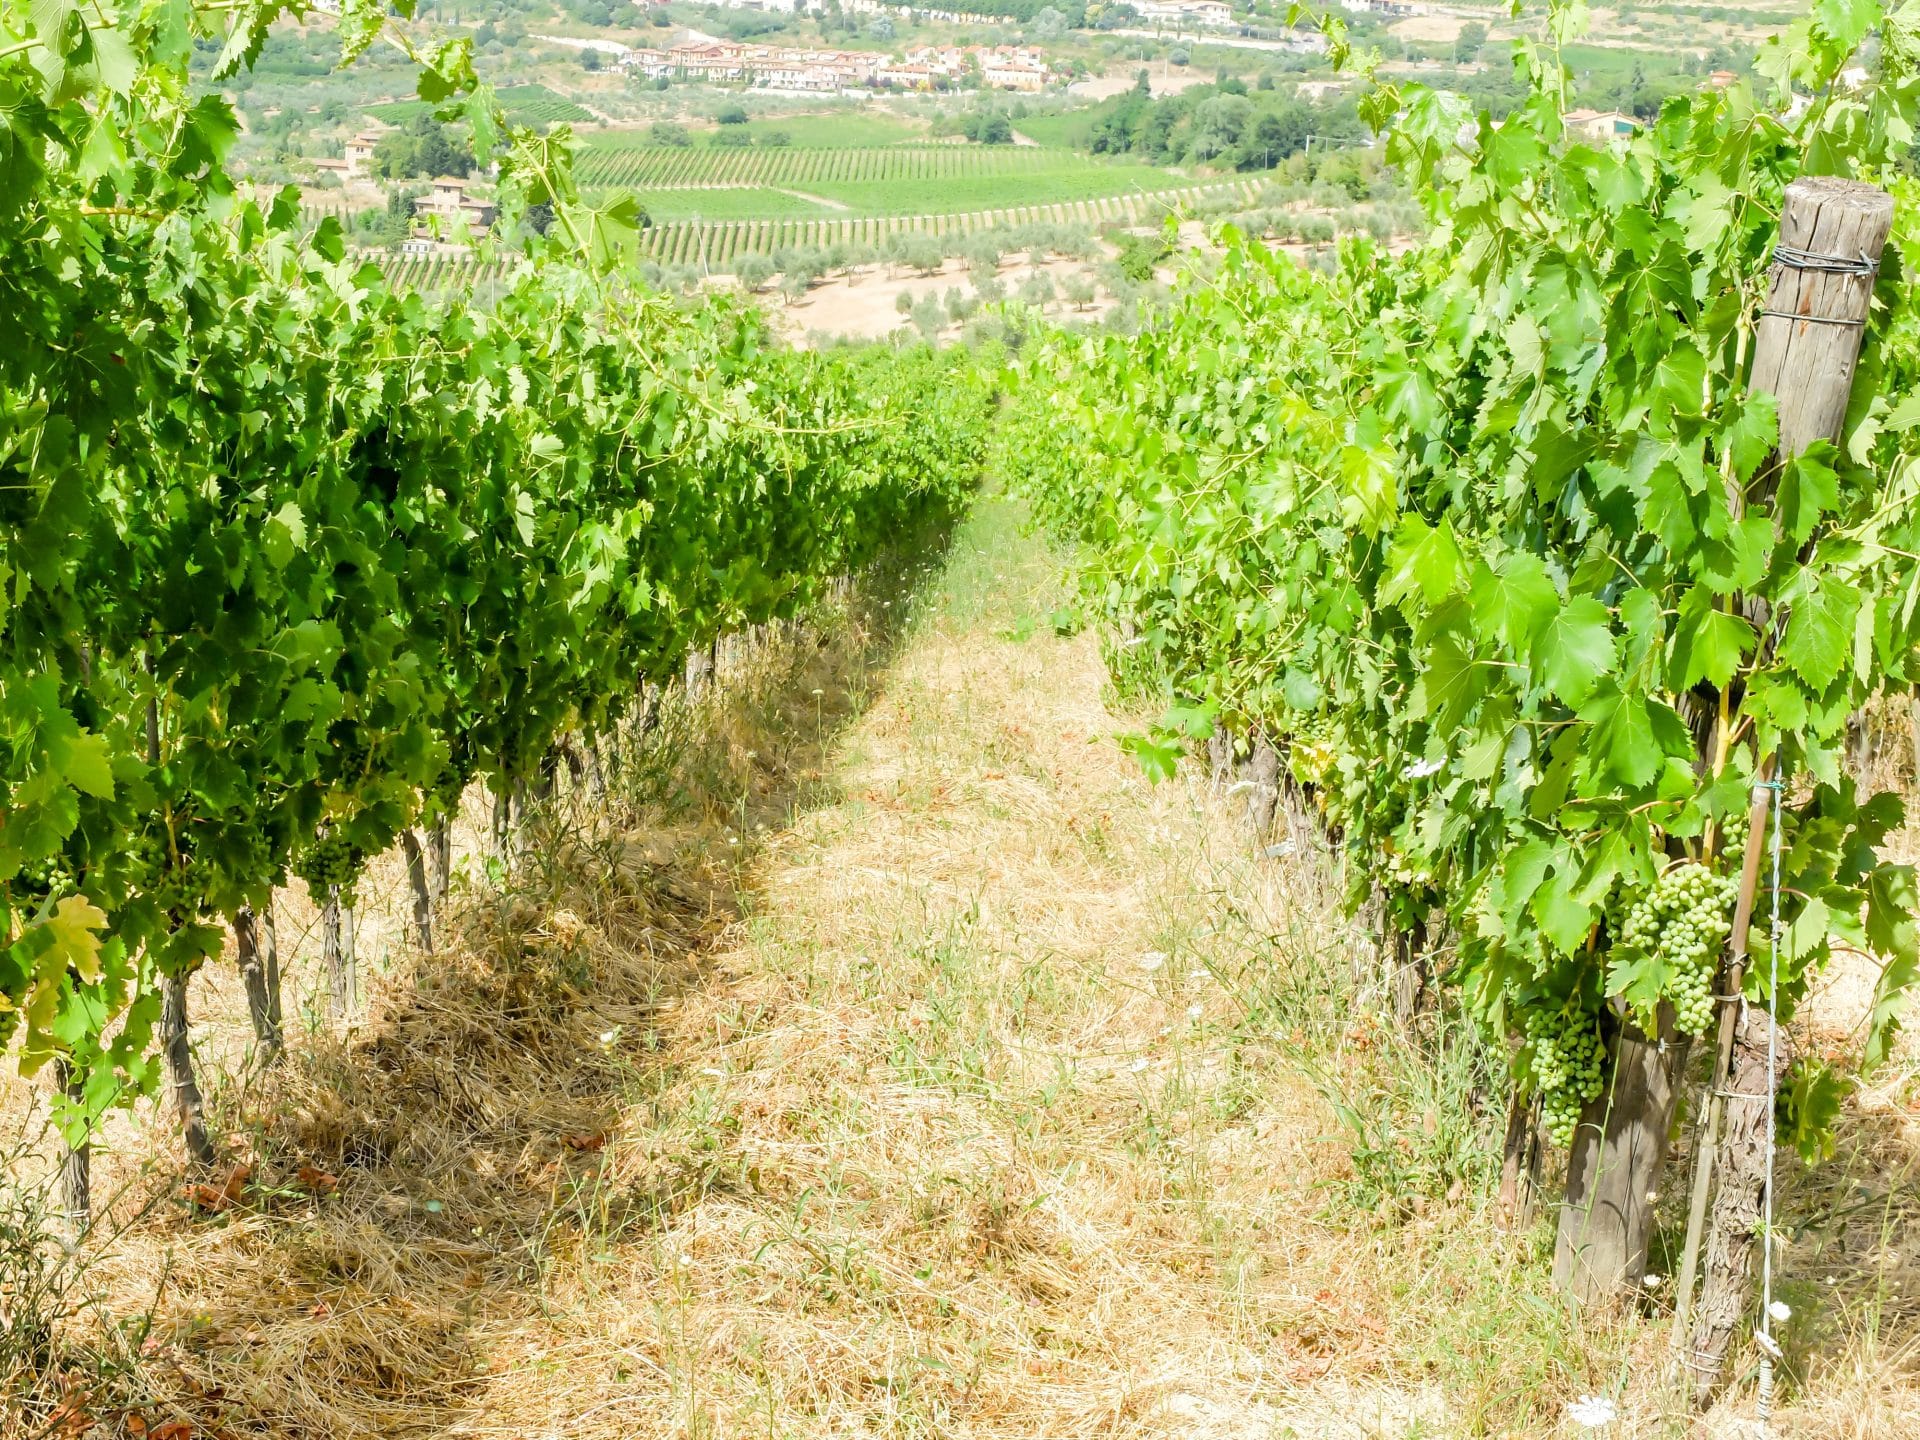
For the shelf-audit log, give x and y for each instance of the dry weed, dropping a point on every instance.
(885, 1058)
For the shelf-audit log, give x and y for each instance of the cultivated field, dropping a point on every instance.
(717, 242)
(649, 168)
(524, 105)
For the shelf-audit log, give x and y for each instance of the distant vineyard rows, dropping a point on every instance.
(719, 243)
(667, 166)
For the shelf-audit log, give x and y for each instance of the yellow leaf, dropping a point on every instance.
(75, 923)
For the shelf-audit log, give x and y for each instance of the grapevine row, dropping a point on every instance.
(295, 554)
(670, 166)
(718, 243)
(1492, 542)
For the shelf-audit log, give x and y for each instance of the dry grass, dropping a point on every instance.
(888, 1059)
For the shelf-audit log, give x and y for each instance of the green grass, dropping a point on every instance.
(1067, 130)
(837, 131)
(996, 192)
(743, 203)
(861, 182)
(524, 104)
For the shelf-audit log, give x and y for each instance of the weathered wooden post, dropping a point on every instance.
(1806, 348)
(1614, 1166)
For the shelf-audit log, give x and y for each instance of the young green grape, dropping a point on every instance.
(1684, 919)
(1566, 1065)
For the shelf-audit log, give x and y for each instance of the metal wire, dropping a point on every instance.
(1795, 258)
(1817, 319)
(1768, 1349)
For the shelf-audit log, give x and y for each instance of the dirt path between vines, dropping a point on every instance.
(911, 1069)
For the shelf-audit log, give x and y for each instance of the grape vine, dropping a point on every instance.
(292, 558)
(1488, 538)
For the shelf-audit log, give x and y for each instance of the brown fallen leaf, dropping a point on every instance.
(318, 1181)
(587, 1144)
(172, 1430)
(320, 1309)
(215, 1199)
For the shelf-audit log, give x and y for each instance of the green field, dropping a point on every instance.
(747, 202)
(648, 167)
(715, 242)
(992, 192)
(678, 183)
(1066, 130)
(851, 129)
(524, 105)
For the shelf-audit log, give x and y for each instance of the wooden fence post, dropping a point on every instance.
(1806, 348)
(1613, 1168)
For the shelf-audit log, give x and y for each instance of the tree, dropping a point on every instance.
(1049, 23)
(778, 139)
(880, 28)
(1079, 290)
(922, 253)
(1218, 124)
(421, 149)
(1469, 42)
(903, 302)
(1276, 135)
(753, 270)
(928, 317)
(1036, 290)
(735, 114)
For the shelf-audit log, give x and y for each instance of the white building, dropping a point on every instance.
(1216, 14)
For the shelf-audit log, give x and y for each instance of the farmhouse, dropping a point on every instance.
(450, 205)
(1214, 13)
(360, 148)
(1600, 124)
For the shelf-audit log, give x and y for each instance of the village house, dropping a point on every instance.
(359, 161)
(1014, 74)
(1214, 13)
(907, 75)
(1600, 124)
(449, 203)
(650, 63)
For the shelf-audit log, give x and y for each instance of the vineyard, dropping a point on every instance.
(717, 244)
(299, 560)
(643, 167)
(1541, 576)
(567, 869)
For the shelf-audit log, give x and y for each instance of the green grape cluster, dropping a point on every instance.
(329, 861)
(1565, 1066)
(1684, 919)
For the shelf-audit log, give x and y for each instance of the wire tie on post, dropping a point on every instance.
(1793, 257)
(1847, 320)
